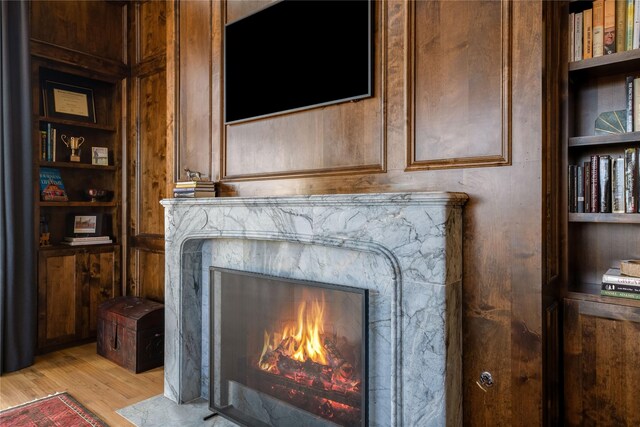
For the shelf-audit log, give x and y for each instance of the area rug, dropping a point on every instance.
(52, 411)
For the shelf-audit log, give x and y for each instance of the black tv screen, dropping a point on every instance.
(297, 54)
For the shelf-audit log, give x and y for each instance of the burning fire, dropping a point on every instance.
(300, 341)
(305, 367)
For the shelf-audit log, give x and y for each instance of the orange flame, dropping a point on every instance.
(299, 341)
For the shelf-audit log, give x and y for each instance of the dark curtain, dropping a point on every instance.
(17, 243)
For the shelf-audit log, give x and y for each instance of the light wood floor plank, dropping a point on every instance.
(97, 383)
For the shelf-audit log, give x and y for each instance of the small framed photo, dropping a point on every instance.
(84, 224)
(70, 102)
(100, 156)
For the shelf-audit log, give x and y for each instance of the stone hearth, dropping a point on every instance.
(405, 248)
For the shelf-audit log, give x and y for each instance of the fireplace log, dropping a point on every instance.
(268, 379)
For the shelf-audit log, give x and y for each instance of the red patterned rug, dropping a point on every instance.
(52, 411)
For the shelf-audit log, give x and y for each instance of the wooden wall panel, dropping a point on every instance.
(326, 140)
(149, 150)
(194, 116)
(150, 275)
(460, 84)
(152, 26)
(151, 157)
(77, 25)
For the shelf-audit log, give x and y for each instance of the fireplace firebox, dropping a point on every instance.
(287, 352)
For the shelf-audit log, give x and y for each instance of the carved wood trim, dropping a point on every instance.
(380, 76)
(503, 158)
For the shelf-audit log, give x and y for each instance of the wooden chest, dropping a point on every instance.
(131, 332)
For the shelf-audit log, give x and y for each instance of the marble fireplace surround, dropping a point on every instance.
(406, 248)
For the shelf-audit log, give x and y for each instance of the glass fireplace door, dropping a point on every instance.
(287, 352)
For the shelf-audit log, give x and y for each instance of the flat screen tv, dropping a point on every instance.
(297, 54)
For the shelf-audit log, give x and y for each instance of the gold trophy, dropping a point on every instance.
(74, 142)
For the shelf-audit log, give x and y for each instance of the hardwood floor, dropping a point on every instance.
(97, 383)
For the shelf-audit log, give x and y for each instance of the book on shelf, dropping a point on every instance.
(43, 145)
(195, 184)
(572, 35)
(634, 33)
(578, 28)
(630, 23)
(621, 25)
(86, 242)
(630, 267)
(51, 186)
(615, 277)
(598, 28)
(631, 180)
(604, 179)
(609, 44)
(587, 34)
(636, 104)
(618, 294)
(572, 190)
(621, 287)
(629, 100)
(193, 194)
(617, 185)
(595, 184)
(87, 239)
(579, 189)
(587, 186)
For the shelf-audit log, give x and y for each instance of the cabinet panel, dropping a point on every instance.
(61, 296)
(601, 357)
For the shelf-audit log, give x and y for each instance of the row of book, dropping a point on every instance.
(623, 282)
(610, 26)
(191, 189)
(48, 143)
(605, 184)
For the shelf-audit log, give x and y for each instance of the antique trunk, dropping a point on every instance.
(131, 332)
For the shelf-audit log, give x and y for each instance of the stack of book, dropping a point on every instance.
(92, 240)
(606, 184)
(189, 189)
(617, 284)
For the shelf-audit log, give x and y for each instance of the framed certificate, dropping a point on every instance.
(70, 102)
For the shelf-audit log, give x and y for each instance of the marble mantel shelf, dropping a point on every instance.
(405, 247)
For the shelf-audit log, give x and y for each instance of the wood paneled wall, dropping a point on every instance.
(149, 155)
(457, 106)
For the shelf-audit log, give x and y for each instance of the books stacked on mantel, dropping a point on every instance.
(190, 189)
(92, 240)
(617, 284)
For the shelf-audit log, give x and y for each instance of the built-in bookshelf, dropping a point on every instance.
(599, 240)
(75, 110)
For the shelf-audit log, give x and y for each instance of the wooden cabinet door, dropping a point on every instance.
(72, 285)
(60, 277)
(601, 360)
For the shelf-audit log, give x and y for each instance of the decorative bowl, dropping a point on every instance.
(97, 194)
